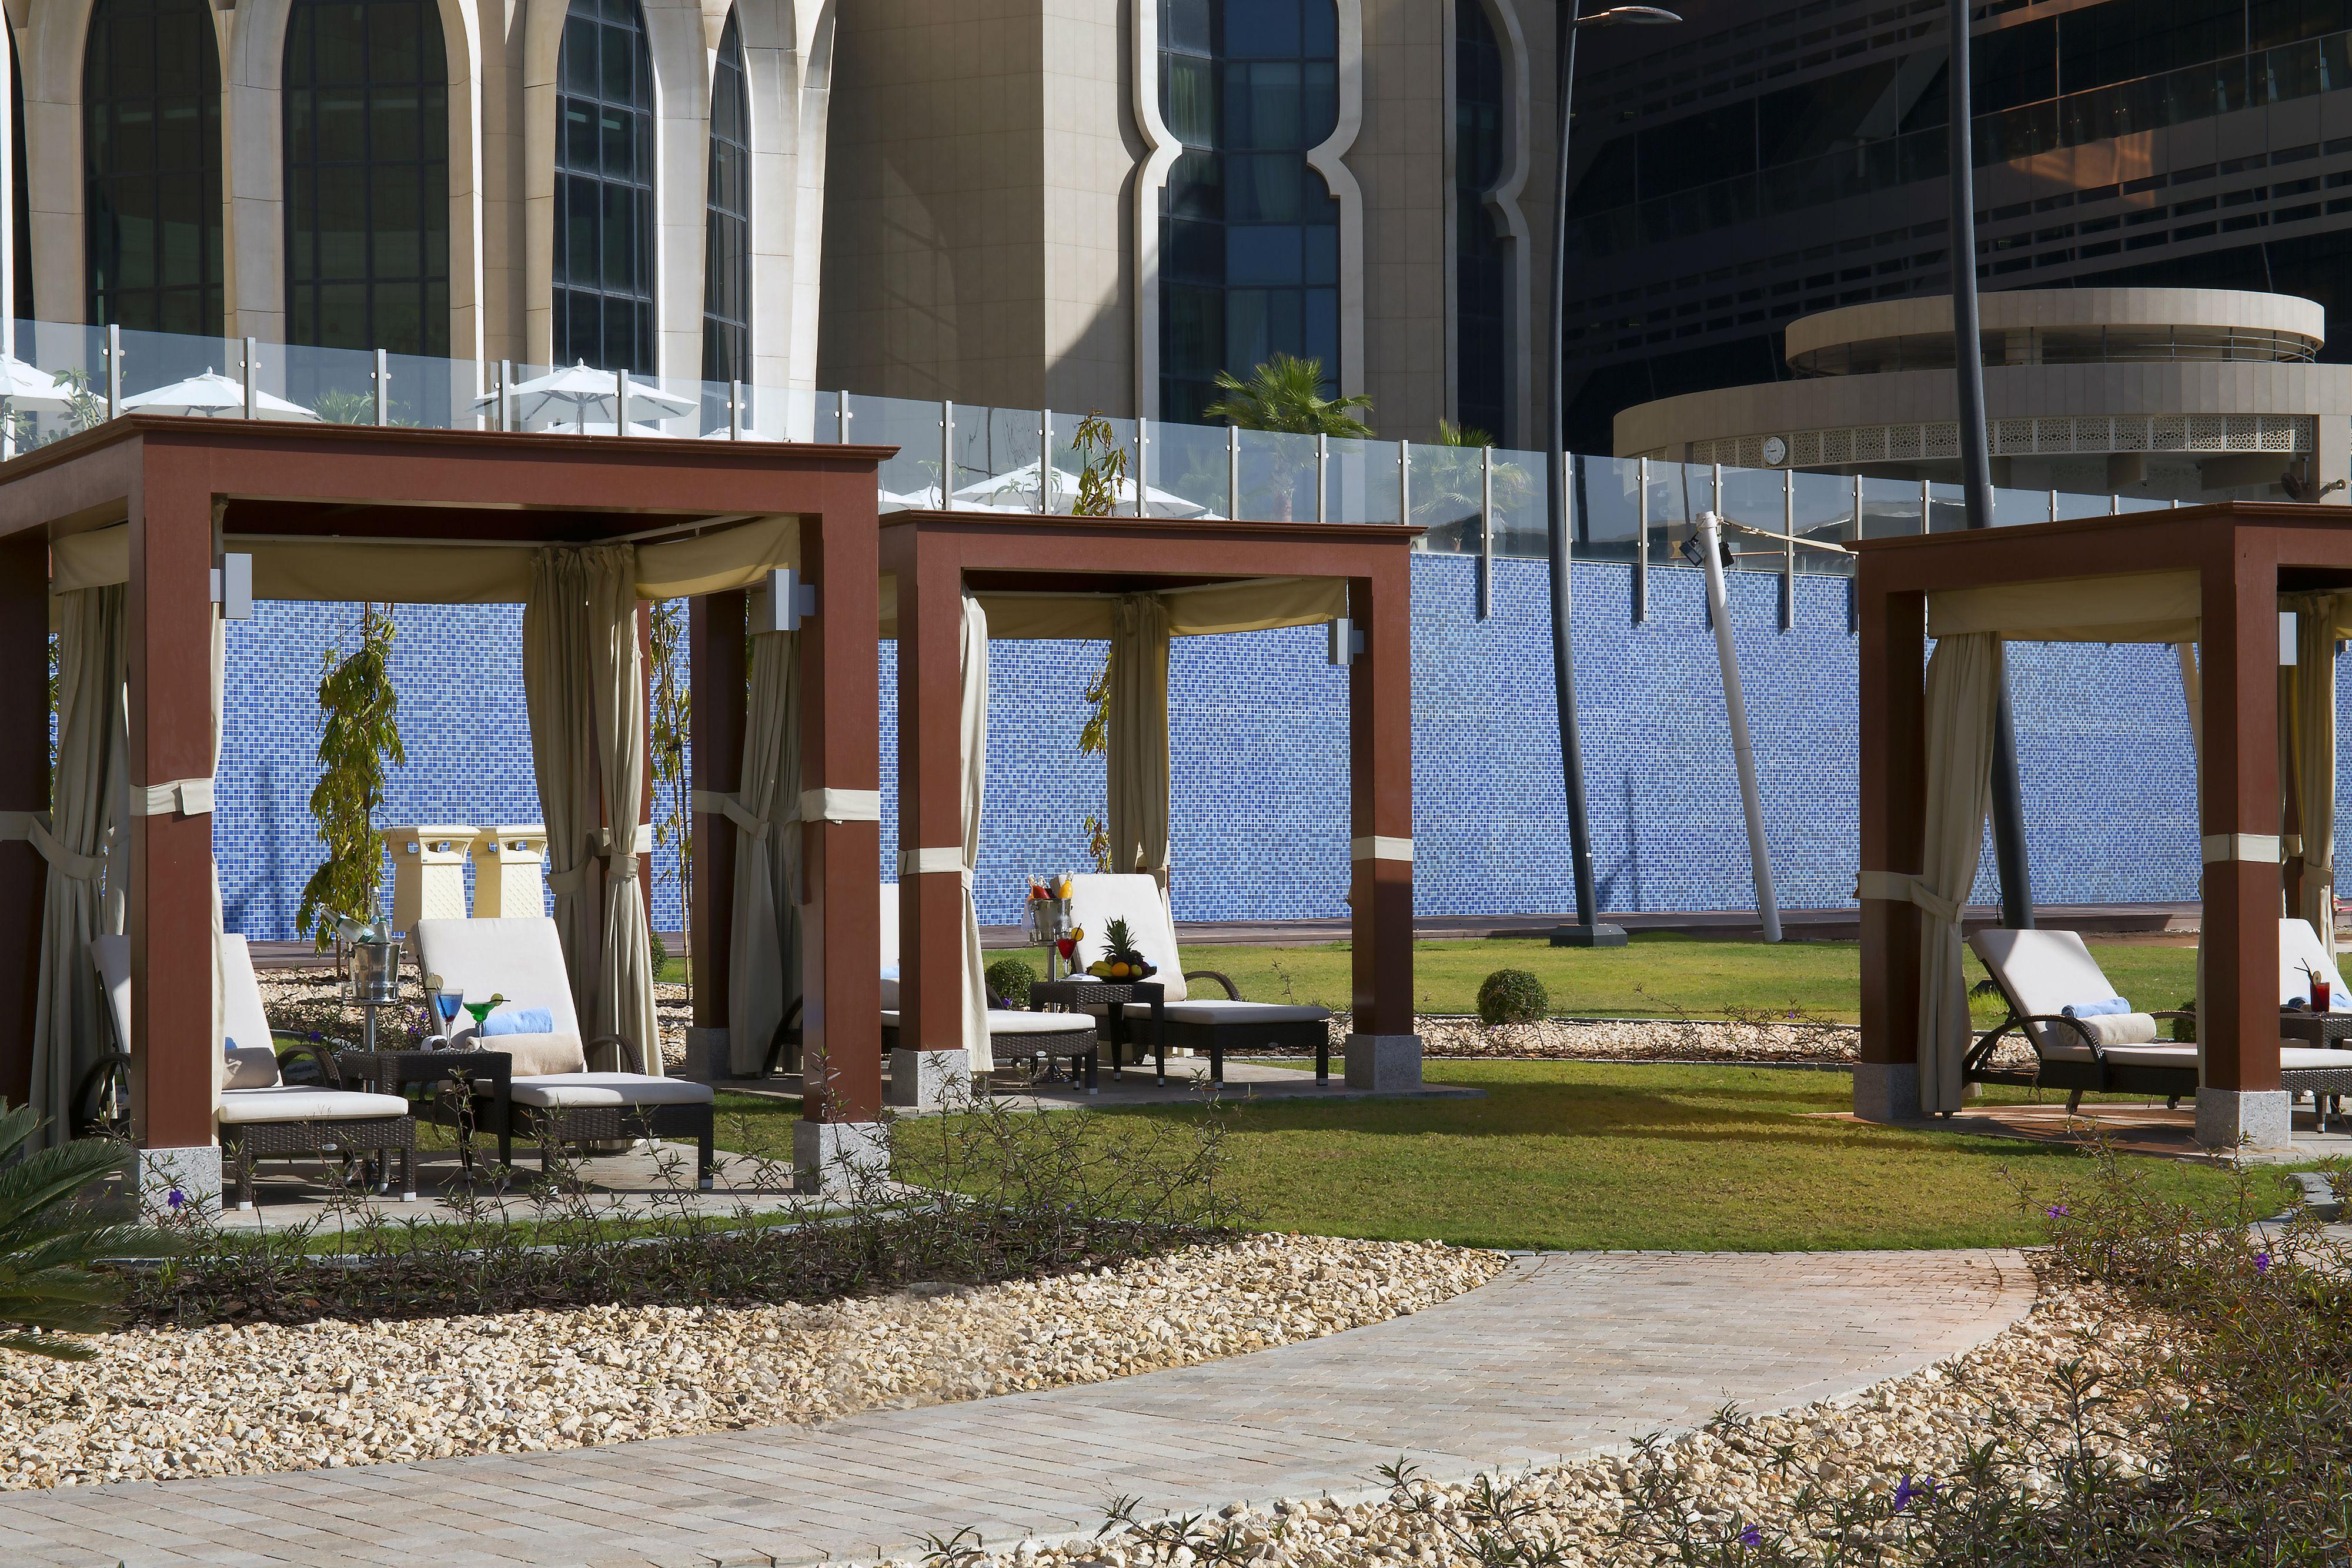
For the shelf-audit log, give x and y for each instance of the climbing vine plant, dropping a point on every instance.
(359, 733)
(673, 713)
(1102, 467)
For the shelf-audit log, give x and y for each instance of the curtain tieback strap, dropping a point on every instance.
(33, 828)
(715, 803)
(183, 796)
(927, 862)
(1903, 887)
(841, 805)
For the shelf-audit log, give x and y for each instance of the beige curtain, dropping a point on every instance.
(764, 963)
(584, 689)
(971, 675)
(557, 675)
(68, 1032)
(1137, 764)
(1963, 690)
(2311, 777)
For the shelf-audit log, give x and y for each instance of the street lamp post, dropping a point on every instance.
(1587, 931)
(1975, 469)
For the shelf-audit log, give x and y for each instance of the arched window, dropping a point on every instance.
(605, 189)
(726, 230)
(1249, 235)
(152, 166)
(367, 176)
(1481, 324)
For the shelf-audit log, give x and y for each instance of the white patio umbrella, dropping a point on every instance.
(211, 396)
(577, 390)
(1016, 490)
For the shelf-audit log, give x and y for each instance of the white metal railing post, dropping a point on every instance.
(946, 454)
(1789, 547)
(1322, 477)
(383, 387)
(1642, 542)
(1142, 466)
(734, 410)
(621, 400)
(252, 378)
(1044, 458)
(1485, 596)
(1234, 471)
(113, 370)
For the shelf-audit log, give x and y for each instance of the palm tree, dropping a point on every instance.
(49, 1240)
(1285, 396)
(1286, 393)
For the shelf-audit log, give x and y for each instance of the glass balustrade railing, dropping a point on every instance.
(1474, 501)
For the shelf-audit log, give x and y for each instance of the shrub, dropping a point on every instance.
(1512, 996)
(1011, 978)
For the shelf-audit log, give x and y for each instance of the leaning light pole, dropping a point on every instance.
(1587, 931)
(1975, 469)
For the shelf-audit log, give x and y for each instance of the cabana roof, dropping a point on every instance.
(2215, 575)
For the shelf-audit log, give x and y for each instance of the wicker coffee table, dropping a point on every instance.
(394, 1071)
(1080, 991)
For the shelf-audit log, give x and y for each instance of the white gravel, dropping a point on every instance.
(1916, 1426)
(245, 1398)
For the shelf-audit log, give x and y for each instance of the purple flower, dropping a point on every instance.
(1751, 1537)
(1905, 1494)
(175, 1197)
(2262, 1263)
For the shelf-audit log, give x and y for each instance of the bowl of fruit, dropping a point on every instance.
(1121, 961)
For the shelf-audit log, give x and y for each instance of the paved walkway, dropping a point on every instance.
(1563, 1353)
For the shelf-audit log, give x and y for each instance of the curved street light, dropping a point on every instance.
(1587, 931)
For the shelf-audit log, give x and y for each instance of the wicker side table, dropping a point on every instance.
(2321, 1031)
(1079, 991)
(394, 1071)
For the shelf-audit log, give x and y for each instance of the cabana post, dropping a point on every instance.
(2217, 575)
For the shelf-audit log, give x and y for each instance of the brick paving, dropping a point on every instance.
(1563, 1353)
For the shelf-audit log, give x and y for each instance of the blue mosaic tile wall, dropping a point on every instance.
(1260, 745)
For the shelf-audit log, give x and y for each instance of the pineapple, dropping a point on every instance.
(1122, 959)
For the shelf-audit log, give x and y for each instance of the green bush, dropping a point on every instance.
(1011, 978)
(1512, 996)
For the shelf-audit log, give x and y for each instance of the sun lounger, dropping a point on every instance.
(1214, 1026)
(554, 1095)
(262, 1116)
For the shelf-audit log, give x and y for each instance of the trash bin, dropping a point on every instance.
(509, 865)
(428, 873)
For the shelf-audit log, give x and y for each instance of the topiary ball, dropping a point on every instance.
(1011, 978)
(1512, 996)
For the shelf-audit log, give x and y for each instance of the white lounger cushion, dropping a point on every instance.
(2299, 946)
(576, 1090)
(297, 1104)
(2046, 972)
(1231, 1012)
(1007, 1021)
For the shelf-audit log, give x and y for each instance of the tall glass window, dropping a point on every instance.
(152, 166)
(1480, 332)
(1249, 235)
(605, 189)
(367, 176)
(727, 228)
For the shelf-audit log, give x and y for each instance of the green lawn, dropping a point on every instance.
(1584, 1155)
(1663, 975)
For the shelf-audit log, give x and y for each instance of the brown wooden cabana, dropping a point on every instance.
(1056, 576)
(353, 512)
(2220, 577)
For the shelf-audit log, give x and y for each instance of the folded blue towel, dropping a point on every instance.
(521, 1021)
(2097, 1009)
